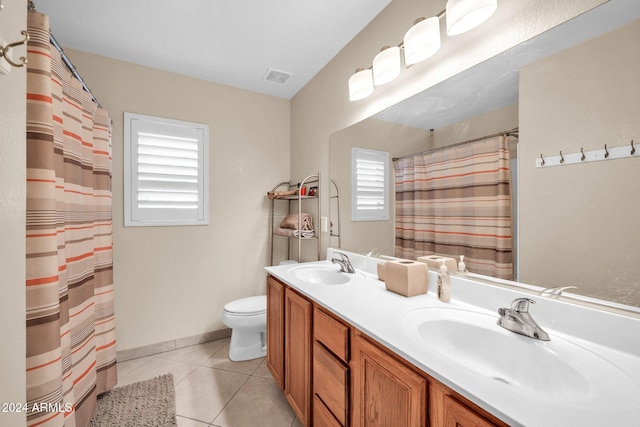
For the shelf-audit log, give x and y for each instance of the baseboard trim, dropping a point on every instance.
(151, 349)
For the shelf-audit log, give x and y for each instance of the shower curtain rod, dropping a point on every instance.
(32, 7)
(513, 132)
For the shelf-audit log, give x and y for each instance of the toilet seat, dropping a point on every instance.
(249, 306)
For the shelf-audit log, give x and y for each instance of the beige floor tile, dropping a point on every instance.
(125, 368)
(262, 371)
(155, 367)
(220, 360)
(258, 403)
(195, 354)
(202, 395)
(188, 422)
(297, 423)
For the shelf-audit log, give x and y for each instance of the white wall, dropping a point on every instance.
(13, 19)
(173, 282)
(579, 223)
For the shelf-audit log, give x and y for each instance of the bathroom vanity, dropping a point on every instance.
(346, 351)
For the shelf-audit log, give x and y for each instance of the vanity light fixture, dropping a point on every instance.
(386, 65)
(422, 40)
(361, 84)
(464, 15)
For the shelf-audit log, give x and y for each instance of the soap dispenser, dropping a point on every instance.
(444, 283)
(462, 267)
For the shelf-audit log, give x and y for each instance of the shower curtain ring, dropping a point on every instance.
(583, 156)
(541, 160)
(606, 152)
(633, 149)
(561, 158)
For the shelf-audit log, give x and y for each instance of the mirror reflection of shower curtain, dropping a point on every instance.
(456, 201)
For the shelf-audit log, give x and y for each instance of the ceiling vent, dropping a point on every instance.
(276, 76)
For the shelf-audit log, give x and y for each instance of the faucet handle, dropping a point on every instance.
(521, 305)
(342, 256)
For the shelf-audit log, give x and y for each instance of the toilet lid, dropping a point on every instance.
(250, 305)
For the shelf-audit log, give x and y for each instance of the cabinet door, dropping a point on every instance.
(275, 329)
(330, 382)
(297, 377)
(448, 409)
(385, 391)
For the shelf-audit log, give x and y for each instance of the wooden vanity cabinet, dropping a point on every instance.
(330, 370)
(289, 345)
(386, 391)
(297, 354)
(448, 409)
(275, 329)
(335, 376)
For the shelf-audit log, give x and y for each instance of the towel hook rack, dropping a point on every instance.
(633, 149)
(4, 51)
(541, 160)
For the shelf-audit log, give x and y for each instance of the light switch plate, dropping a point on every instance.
(5, 68)
(324, 224)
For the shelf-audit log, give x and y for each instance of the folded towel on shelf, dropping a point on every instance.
(302, 234)
(292, 221)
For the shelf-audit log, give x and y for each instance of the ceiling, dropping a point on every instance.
(493, 84)
(232, 42)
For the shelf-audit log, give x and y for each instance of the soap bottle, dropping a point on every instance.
(462, 268)
(444, 283)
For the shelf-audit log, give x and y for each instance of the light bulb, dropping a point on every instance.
(422, 40)
(360, 84)
(386, 65)
(464, 15)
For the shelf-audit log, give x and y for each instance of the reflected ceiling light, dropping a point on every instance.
(464, 15)
(360, 84)
(422, 40)
(386, 65)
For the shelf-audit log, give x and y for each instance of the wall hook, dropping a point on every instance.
(561, 158)
(633, 149)
(583, 156)
(606, 152)
(542, 160)
(4, 51)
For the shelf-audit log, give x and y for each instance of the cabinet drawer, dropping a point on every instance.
(322, 417)
(332, 333)
(330, 382)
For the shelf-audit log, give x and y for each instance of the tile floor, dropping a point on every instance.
(211, 390)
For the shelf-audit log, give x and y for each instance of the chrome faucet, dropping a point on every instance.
(556, 291)
(517, 319)
(343, 262)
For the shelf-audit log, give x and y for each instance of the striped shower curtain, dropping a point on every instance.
(71, 354)
(456, 201)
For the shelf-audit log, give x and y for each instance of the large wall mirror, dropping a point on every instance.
(573, 88)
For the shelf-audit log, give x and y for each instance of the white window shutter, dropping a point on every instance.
(370, 185)
(165, 172)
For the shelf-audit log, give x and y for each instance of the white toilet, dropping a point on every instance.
(247, 318)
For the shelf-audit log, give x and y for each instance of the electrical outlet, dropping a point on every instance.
(5, 68)
(324, 224)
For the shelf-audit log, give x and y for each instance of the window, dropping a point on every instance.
(166, 172)
(369, 185)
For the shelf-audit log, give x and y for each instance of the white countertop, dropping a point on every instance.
(365, 303)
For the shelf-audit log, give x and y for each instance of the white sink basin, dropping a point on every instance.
(556, 369)
(321, 274)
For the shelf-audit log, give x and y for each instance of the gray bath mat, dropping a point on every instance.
(147, 403)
